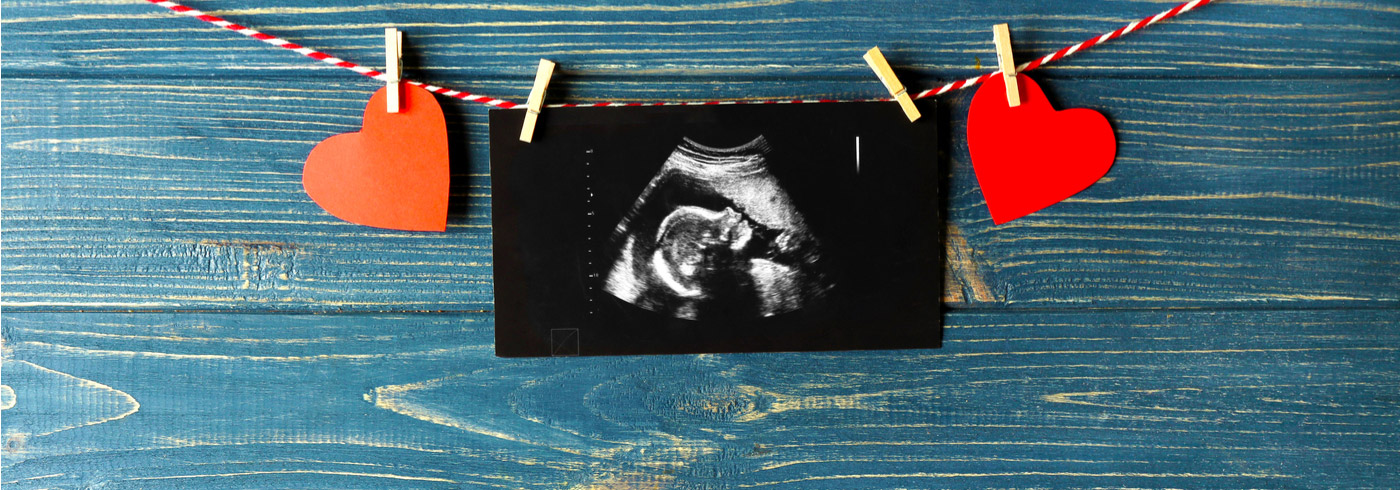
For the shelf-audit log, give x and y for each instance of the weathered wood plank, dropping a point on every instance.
(152, 162)
(1014, 400)
(155, 195)
(766, 39)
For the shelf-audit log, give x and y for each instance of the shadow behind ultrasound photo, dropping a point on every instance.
(659, 230)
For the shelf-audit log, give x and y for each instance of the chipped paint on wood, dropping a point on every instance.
(1143, 399)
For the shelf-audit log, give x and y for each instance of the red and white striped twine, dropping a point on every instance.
(506, 104)
(1069, 50)
(314, 54)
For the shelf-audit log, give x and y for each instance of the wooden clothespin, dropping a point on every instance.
(536, 101)
(877, 62)
(1001, 36)
(393, 65)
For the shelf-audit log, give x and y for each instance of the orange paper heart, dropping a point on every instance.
(393, 174)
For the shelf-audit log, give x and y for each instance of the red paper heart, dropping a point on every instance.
(1031, 156)
(394, 173)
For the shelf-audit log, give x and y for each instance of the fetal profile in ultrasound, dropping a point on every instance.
(714, 235)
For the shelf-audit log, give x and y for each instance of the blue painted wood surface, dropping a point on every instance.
(1219, 312)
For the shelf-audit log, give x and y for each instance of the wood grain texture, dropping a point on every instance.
(1220, 311)
(1290, 399)
(123, 195)
(768, 39)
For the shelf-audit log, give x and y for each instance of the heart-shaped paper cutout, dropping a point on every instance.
(1031, 156)
(393, 174)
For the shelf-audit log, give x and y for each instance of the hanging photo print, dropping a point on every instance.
(650, 230)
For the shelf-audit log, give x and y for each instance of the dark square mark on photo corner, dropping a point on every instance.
(563, 342)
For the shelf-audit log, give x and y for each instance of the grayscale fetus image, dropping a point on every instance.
(717, 228)
(714, 235)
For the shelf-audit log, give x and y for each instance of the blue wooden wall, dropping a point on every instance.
(1221, 311)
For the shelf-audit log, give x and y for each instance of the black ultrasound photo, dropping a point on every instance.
(714, 229)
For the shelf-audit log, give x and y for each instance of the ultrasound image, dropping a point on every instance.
(715, 229)
(715, 236)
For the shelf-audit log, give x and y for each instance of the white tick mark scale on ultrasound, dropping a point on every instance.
(589, 215)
